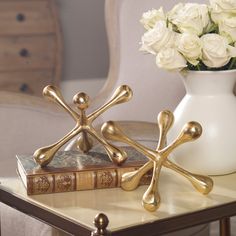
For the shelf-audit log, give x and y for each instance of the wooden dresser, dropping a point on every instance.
(30, 45)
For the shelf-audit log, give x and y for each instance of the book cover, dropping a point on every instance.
(74, 171)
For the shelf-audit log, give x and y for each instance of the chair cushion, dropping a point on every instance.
(24, 129)
(15, 223)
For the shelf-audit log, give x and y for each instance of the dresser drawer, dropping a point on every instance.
(27, 52)
(30, 45)
(30, 82)
(26, 17)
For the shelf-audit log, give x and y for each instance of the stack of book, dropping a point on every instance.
(74, 171)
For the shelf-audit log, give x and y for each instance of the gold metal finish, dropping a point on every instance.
(101, 222)
(158, 158)
(225, 226)
(44, 155)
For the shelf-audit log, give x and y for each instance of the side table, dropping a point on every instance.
(74, 212)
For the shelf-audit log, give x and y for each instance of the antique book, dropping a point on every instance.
(73, 171)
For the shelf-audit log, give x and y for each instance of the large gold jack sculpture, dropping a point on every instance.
(44, 155)
(158, 158)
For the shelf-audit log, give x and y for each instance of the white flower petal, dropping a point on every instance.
(170, 59)
(216, 51)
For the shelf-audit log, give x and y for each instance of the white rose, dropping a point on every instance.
(225, 5)
(216, 52)
(170, 59)
(173, 13)
(157, 38)
(151, 17)
(190, 46)
(227, 28)
(221, 9)
(190, 18)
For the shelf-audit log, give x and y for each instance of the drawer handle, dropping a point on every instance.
(24, 52)
(24, 87)
(20, 17)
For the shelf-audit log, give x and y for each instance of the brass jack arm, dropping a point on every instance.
(158, 158)
(44, 155)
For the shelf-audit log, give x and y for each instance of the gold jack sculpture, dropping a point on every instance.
(44, 155)
(158, 158)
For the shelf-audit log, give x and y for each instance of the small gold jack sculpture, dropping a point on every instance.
(44, 155)
(158, 158)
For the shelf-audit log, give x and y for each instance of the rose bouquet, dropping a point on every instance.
(192, 36)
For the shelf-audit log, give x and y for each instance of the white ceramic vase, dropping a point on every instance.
(210, 101)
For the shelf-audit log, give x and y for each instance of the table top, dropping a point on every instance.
(181, 206)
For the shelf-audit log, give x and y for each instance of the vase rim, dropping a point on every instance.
(207, 71)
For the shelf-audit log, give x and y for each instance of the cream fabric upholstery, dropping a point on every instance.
(154, 89)
(26, 123)
(15, 223)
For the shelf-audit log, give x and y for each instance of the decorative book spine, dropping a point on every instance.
(75, 181)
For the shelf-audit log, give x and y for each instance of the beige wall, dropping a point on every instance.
(85, 43)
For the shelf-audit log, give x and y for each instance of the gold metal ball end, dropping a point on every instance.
(101, 221)
(193, 130)
(82, 100)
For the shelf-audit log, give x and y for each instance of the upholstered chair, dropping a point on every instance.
(153, 89)
(26, 123)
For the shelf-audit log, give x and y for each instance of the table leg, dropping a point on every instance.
(225, 226)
